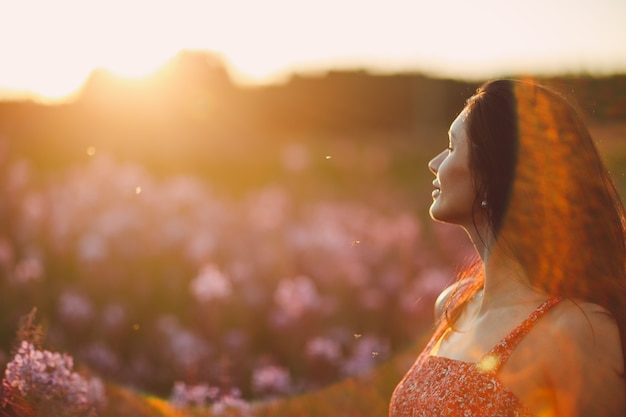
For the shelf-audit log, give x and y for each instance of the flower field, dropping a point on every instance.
(167, 286)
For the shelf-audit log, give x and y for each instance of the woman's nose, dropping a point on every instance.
(433, 165)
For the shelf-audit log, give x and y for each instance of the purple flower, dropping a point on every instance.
(75, 308)
(272, 380)
(47, 380)
(231, 406)
(296, 296)
(366, 353)
(210, 284)
(183, 347)
(29, 270)
(223, 403)
(324, 348)
(184, 395)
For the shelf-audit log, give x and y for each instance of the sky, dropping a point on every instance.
(49, 47)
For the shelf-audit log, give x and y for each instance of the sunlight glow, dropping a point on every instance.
(488, 363)
(133, 66)
(53, 50)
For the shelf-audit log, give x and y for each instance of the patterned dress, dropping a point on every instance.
(436, 386)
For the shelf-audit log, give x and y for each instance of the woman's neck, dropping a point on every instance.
(505, 280)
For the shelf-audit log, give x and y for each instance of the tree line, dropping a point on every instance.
(191, 105)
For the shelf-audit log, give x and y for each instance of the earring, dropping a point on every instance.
(483, 204)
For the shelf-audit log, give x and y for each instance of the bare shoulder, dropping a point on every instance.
(591, 328)
(585, 361)
(444, 296)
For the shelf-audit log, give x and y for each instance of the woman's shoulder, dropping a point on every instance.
(589, 329)
(584, 359)
(588, 324)
(443, 299)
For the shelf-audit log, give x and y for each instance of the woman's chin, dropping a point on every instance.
(434, 213)
(437, 214)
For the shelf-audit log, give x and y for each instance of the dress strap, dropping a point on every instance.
(493, 360)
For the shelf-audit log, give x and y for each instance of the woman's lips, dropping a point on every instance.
(437, 190)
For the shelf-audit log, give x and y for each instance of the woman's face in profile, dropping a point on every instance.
(454, 194)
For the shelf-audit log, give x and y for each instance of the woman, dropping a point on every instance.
(537, 327)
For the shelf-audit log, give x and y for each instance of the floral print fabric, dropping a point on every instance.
(436, 386)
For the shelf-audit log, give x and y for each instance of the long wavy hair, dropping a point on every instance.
(552, 204)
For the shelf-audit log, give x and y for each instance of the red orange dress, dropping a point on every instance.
(436, 386)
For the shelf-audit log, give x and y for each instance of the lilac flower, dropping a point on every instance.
(96, 393)
(28, 270)
(185, 348)
(114, 316)
(210, 284)
(92, 247)
(228, 404)
(184, 395)
(297, 295)
(271, 380)
(75, 308)
(367, 352)
(231, 406)
(324, 348)
(178, 397)
(47, 380)
(189, 349)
